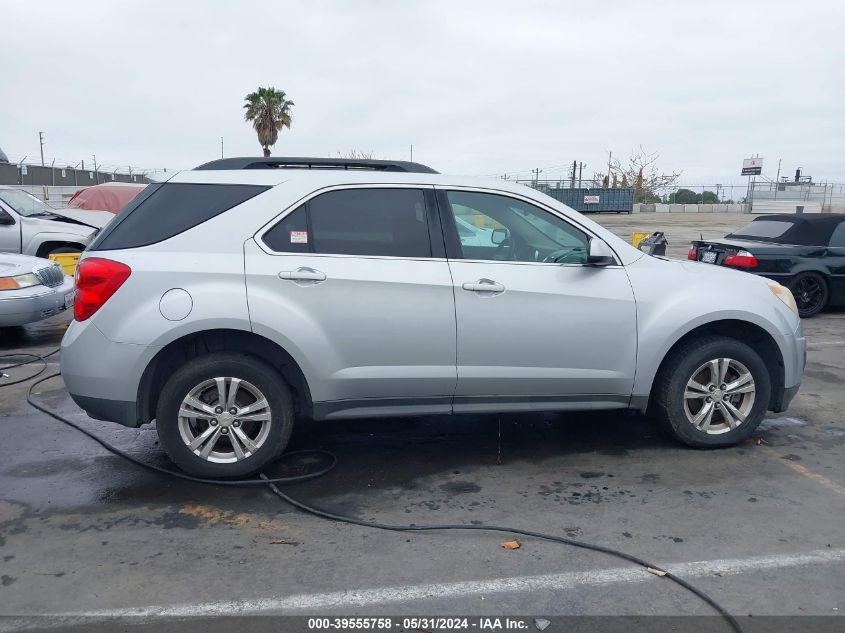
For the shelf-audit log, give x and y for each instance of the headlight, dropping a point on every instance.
(18, 281)
(784, 294)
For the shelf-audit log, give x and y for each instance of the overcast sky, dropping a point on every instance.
(477, 87)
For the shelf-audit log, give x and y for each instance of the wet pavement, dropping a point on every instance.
(83, 531)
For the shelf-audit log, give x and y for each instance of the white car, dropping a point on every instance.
(32, 289)
(29, 226)
(250, 294)
(471, 235)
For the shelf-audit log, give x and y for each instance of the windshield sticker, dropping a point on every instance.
(299, 237)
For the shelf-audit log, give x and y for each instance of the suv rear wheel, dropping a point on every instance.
(713, 391)
(224, 415)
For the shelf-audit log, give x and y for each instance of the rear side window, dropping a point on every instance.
(169, 210)
(368, 222)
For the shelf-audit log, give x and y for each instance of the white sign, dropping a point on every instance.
(299, 237)
(752, 166)
(591, 199)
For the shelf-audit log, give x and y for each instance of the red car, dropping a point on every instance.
(109, 196)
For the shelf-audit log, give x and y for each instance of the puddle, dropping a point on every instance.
(771, 423)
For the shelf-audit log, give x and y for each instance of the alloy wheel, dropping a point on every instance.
(808, 294)
(224, 420)
(719, 396)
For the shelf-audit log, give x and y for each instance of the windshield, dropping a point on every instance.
(764, 228)
(24, 203)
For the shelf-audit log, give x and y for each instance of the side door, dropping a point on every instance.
(537, 327)
(10, 231)
(836, 264)
(355, 284)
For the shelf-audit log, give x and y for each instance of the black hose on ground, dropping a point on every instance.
(272, 483)
(33, 358)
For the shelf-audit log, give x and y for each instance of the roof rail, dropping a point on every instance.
(316, 163)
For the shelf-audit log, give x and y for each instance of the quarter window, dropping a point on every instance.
(366, 222)
(838, 237)
(499, 228)
(164, 210)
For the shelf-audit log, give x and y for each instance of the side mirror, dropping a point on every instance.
(5, 218)
(599, 253)
(499, 236)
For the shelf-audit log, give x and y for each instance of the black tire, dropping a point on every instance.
(680, 367)
(810, 292)
(227, 364)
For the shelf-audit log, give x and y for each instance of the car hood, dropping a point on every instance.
(704, 271)
(94, 219)
(58, 224)
(13, 264)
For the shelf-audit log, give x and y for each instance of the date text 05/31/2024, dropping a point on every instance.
(424, 623)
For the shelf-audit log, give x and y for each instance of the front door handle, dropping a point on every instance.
(484, 285)
(303, 274)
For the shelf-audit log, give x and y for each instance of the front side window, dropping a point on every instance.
(366, 222)
(499, 228)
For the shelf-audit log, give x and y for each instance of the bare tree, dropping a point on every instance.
(641, 171)
(357, 154)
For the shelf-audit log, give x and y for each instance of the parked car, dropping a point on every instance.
(31, 289)
(248, 293)
(805, 253)
(29, 226)
(108, 196)
(472, 235)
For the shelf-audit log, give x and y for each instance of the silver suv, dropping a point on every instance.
(236, 298)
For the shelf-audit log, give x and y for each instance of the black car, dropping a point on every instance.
(805, 253)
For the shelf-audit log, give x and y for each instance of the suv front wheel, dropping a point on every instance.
(713, 391)
(224, 415)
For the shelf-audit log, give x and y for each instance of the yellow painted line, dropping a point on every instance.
(803, 470)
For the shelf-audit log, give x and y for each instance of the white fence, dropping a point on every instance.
(690, 208)
(56, 197)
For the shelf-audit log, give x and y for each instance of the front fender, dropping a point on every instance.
(31, 243)
(673, 300)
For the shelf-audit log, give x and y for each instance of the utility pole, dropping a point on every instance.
(609, 155)
(412, 152)
(221, 147)
(580, 173)
(41, 143)
(96, 174)
(572, 180)
(537, 173)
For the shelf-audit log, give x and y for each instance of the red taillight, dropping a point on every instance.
(743, 259)
(97, 279)
(693, 252)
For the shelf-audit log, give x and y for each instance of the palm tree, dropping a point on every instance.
(269, 111)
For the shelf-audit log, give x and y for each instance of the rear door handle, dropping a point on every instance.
(484, 285)
(303, 274)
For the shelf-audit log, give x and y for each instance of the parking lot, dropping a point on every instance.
(757, 526)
